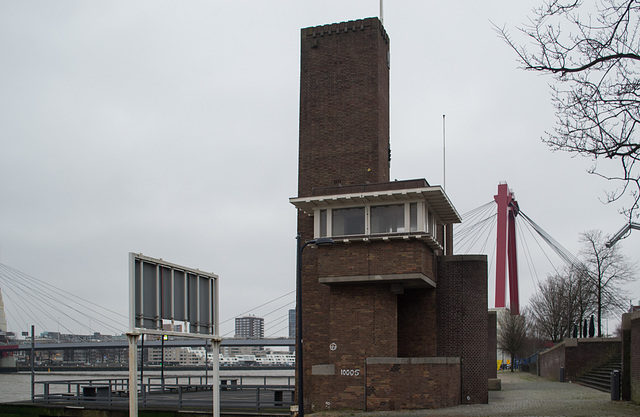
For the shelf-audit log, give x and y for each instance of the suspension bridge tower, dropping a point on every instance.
(506, 249)
(3, 316)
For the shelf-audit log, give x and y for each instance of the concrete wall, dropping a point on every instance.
(576, 356)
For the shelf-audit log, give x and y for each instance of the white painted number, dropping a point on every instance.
(350, 372)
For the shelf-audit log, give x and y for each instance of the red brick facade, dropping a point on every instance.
(388, 323)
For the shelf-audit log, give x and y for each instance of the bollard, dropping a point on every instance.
(615, 385)
(561, 374)
(277, 398)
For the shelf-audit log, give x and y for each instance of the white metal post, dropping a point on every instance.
(216, 377)
(133, 374)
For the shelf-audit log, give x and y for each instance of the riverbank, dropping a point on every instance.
(125, 368)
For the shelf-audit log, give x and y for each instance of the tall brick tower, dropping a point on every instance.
(344, 105)
(383, 326)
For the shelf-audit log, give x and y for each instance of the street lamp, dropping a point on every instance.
(321, 241)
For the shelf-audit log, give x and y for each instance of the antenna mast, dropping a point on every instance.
(444, 162)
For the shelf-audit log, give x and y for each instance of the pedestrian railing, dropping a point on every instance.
(174, 392)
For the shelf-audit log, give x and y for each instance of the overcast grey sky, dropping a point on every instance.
(170, 128)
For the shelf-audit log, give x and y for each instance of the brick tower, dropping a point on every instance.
(344, 105)
(381, 308)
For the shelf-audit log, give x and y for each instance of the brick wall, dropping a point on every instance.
(378, 257)
(416, 323)
(635, 359)
(344, 105)
(403, 383)
(492, 344)
(550, 362)
(589, 354)
(631, 357)
(361, 322)
(462, 320)
(344, 140)
(577, 356)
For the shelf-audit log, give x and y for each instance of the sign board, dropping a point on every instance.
(160, 291)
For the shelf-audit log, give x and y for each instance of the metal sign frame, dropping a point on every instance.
(159, 291)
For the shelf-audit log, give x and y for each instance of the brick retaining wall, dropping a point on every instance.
(631, 357)
(576, 356)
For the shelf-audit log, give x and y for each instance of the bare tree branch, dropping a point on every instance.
(593, 53)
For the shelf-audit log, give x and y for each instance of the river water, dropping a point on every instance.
(17, 386)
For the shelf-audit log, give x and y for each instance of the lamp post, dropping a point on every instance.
(321, 241)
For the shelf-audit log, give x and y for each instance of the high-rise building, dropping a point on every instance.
(250, 327)
(292, 323)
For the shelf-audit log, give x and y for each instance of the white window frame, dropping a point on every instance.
(426, 218)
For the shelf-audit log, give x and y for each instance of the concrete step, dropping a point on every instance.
(600, 378)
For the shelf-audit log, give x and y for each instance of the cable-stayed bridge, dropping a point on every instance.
(31, 301)
(495, 228)
(502, 230)
(122, 344)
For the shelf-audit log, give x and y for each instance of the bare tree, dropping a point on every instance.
(512, 334)
(548, 309)
(593, 51)
(582, 302)
(608, 271)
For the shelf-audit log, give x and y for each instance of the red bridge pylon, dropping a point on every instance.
(506, 249)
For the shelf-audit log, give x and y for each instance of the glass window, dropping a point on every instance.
(429, 221)
(323, 223)
(348, 221)
(413, 217)
(387, 219)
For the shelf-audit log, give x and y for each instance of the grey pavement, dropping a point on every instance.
(524, 394)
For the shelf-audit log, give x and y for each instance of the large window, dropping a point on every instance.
(387, 219)
(375, 220)
(349, 221)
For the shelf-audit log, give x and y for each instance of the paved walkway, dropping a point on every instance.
(524, 394)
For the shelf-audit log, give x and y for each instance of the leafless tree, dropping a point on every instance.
(512, 334)
(608, 271)
(582, 299)
(593, 51)
(548, 309)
